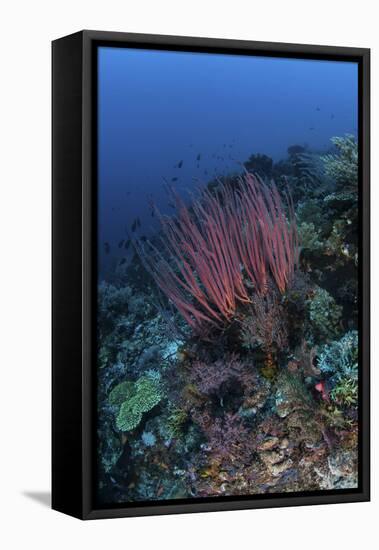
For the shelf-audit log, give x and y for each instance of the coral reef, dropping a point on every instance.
(340, 358)
(266, 325)
(310, 237)
(324, 314)
(228, 346)
(342, 167)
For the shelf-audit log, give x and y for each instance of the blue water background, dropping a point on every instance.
(157, 108)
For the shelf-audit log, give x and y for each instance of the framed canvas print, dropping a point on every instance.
(210, 274)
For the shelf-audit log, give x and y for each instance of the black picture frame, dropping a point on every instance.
(74, 271)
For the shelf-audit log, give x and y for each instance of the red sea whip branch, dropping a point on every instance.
(208, 251)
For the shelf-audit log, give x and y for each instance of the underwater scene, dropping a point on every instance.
(227, 295)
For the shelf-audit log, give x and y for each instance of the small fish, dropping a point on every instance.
(122, 261)
(198, 157)
(318, 109)
(311, 128)
(143, 238)
(152, 213)
(332, 116)
(138, 222)
(174, 179)
(180, 164)
(171, 205)
(127, 244)
(107, 248)
(134, 225)
(121, 243)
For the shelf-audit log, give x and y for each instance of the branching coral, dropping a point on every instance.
(324, 314)
(209, 377)
(310, 237)
(340, 358)
(343, 166)
(176, 421)
(206, 253)
(339, 362)
(345, 392)
(266, 326)
(226, 439)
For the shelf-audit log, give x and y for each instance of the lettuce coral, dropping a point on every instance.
(132, 399)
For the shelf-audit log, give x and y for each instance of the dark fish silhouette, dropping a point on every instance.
(121, 243)
(107, 248)
(134, 225)
(198, 157)
(122, 261)
(174, 179)
(152, 212)
(138, 222)
(127, 244)
(180, 164)
(143, 238)
(311, 128)
(332, 116)
(318, 109)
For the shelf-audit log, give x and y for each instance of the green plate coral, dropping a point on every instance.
(132, 399)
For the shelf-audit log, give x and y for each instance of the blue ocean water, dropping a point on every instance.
(184, 118)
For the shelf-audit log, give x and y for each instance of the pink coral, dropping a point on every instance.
(210, 376)
(208, 248)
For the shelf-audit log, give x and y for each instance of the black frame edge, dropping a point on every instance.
(365, 270)
(67, 99)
